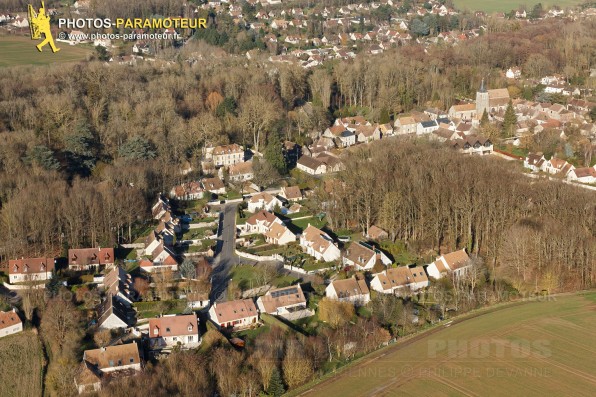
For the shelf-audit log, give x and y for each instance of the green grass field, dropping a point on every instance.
(20, 50)
(20, 360)
(531, 349)
(508, 5)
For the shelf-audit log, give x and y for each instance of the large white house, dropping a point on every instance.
(10, 323)
(227, 155)
(173, 330)
(457, 262)
(400, 280)
(234, 315)
(30, 269)
(270, 226)
(352, 290)
(317, 243)
(263, 201)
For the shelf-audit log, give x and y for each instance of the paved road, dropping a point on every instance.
(225, 257)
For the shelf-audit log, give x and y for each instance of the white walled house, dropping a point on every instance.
(235, 315)
(534, 161)
(583, 175)
(30, 269)
(352, 290)
(227, 155)
(174, 330)
(317, 243)
(457, 262)
(274, 230)
(10, 323)
(263, 201)
(400, 280)
(359, 256)
(311, 165)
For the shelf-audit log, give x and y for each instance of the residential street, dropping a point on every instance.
(225, 258)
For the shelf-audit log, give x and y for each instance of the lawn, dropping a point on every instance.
(199, 233)
(302, 224)
(151, 309)
(246, 276)
(20, 50)
(535, 348)
(508, 5)
(21, 362)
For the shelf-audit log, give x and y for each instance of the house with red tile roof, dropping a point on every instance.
(10, 323)
(234, 315)
(352, 290)
(85, 258)
(30, 269)
(174, 330)
(400, 280)
(317, 243)
(282, 301)
(457, 262)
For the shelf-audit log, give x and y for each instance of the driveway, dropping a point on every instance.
(225, 257)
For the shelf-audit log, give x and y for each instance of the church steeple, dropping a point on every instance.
(482, 101)
(482, 87)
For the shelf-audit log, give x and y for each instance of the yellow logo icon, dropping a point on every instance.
(39, 23)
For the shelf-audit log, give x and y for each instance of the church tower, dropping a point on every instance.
(481, 101)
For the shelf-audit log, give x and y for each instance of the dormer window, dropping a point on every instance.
(190, 327)
(168, 329)
(155, 331)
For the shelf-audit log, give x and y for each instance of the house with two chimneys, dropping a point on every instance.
(30, 269)
(174, 330)
(234, 315)
(319, 244)
(107, 363)
(353, 290)
(400, 280)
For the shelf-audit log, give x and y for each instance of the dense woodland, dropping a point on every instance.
(107, 136)
(537, 234)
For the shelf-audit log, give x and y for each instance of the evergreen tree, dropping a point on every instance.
(53, 285)
(509, 121)
(188, 269)
(43, 157)
(484, 119)
(276, 386)
(384, 117)
(81, 148)
(137, 148)
(274, 155)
